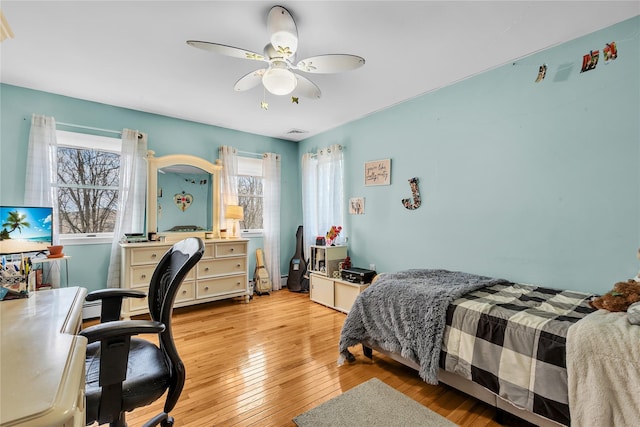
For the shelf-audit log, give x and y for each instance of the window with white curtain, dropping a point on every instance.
(87, 186)
(323, 202)
(251, 194)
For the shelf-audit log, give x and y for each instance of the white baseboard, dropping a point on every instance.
(91, 310)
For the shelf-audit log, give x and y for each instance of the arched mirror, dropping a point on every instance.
(183, 197)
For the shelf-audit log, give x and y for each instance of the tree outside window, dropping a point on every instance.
(87, 183)
(250, 193)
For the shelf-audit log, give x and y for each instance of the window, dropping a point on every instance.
(250, 195)
(88, 169)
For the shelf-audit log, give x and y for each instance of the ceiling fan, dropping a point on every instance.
(279, 77)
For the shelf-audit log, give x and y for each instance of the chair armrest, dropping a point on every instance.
(121, 328)
(112, 301)
(114, 293)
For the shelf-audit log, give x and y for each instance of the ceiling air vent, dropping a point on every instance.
(296, 131)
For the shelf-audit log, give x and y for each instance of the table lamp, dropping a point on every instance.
(235, 213)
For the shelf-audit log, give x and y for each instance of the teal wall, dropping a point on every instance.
(533, 182)
(536, 183)
(89, 263)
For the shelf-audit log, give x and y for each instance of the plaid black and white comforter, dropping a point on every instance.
(511, 339)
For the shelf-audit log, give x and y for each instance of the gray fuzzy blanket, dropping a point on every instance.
(405, 313)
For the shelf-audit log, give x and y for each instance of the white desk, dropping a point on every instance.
(42, 359)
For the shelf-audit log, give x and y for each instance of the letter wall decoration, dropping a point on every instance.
(415, 192)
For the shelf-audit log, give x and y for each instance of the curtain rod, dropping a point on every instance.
(117, 132)
(312, 155)
(248, 153)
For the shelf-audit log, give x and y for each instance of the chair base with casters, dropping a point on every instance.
(124, 372)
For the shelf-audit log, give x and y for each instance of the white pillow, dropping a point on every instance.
(633, 313)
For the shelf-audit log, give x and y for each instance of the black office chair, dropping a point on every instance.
(124, 373)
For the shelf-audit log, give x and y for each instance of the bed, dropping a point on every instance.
(502, 342)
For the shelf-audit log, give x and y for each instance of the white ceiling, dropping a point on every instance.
(133, 54)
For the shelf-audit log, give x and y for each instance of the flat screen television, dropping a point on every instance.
(25, 229)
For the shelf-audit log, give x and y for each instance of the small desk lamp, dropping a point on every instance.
(235, 213)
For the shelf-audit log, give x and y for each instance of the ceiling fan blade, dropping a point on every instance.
(222, 49)
(336, 63)
(306, 88)
(250, 80)
(283, 32)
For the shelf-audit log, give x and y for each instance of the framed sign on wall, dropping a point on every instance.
(377, 172)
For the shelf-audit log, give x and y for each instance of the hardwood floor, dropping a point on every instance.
(263, 363)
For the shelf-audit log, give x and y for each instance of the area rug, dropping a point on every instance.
(372, 403)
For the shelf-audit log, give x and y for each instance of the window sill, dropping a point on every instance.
(85, 240)
(250, 234)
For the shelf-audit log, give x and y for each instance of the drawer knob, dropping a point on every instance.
(232, 249)
(238, 265)
(153, 255)
(144, 276)
(206, 269)
(206, 288)
(184, 292)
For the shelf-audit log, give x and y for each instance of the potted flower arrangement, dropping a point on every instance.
(333, 234)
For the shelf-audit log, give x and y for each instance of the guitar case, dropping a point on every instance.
(297, 280)
(261, 279)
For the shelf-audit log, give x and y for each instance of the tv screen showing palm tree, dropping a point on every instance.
(25, 229)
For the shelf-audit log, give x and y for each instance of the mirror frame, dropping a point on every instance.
(156, 163)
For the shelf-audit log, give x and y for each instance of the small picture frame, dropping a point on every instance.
(377, 172)
(356, 206)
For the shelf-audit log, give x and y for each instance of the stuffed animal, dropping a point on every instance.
(620, 297)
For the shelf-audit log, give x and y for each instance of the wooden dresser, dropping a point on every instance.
(221, 273)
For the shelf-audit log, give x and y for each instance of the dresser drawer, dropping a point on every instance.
(141, 275)
(187, 292)
(212, 287)
(216, 267)
(147, 255)
(230, 249)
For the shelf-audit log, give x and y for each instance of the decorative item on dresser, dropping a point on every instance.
(221, 273)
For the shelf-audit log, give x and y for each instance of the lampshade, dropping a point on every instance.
(278, 79)
(234, 212)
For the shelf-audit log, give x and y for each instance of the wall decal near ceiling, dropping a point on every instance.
(377, 172)
(183, 200)
(356, 206)
(542, 72)
(610, 52)
(415, 192)
(590, 61)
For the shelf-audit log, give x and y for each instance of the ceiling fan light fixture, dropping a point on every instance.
(279, 80)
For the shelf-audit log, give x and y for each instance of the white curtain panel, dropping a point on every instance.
(41, 171)
(271, 216)
(309, 201)
(131, 197)
(229, 157)
(322, 193)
